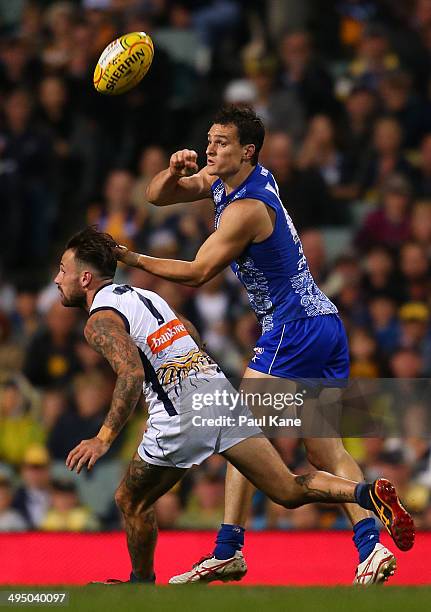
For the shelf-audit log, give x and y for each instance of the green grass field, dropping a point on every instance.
(241, 599)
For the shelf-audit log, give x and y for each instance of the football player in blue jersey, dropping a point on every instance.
(302, 337)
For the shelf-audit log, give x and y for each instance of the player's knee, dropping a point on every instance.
(122, 499)
(129, 504)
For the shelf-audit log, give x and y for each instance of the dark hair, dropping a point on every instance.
(249, 125)
(96, 249)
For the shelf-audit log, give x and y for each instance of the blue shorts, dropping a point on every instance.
(304, 349)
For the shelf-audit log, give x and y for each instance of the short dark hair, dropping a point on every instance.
(96, 249)
(249, 125)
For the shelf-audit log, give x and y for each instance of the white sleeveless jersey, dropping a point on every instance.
(171, 359)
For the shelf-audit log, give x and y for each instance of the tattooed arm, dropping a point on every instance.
(105, 333)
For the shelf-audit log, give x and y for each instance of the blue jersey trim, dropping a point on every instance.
(120, 314)
(151, 376)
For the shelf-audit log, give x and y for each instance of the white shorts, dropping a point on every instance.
(193, 435)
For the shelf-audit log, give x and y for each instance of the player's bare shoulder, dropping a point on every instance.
(105, 332)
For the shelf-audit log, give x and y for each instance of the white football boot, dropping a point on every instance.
(209, 569)
(377, 567)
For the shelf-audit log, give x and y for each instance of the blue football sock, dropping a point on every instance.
(366, 536)
(362, 495)
(230, 538)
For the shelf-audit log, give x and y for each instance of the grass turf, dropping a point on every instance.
(239, 599)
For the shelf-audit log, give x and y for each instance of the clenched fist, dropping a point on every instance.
(183, 163)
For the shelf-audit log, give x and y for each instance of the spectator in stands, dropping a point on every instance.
(406, 363)
(321, 151)
(19, 426)
(74, 163)
(92, 394)
(168, 510)
(364, 358)
(356, 126)
(280, 518)
(384, 323)
(390, 223)
(152, 160)
(32, 498)
(423, 179)
(19, 67)
(53, 405)
(415, 272)
(25, 183)
(66, 512)
(400, 101)
(10, 519)
(385, 159)
(380, 276)
(25, 319)
(373, 59)
(205, 504)
(420, 224)
(60, 20)
(303, 73)
(117, 216)
(279, 109)
(313, 243)
(303, 191)
(51, 356)
(415, 331)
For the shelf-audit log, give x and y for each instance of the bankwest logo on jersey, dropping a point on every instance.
(166, 335)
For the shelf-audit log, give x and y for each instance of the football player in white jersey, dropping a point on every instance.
(138, 333)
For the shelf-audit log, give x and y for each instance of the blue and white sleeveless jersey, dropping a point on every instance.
(274, 272)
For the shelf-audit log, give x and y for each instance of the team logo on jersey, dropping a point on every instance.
(166, 335)
(218, 193)
(173, 371)
(258, 351)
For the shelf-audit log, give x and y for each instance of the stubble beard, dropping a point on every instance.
(74, 301)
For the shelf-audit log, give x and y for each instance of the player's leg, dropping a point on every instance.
(258, 461)
(329, 454)
(141, 486)
(376, 563)
(238, 497)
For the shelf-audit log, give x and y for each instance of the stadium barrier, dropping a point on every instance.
(274, 558)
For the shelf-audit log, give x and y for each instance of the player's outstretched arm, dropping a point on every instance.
(238, 227)
(181, 182)
(105, 332)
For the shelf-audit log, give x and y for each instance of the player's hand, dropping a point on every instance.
(123, 254)
(183, 163)
(86, 453)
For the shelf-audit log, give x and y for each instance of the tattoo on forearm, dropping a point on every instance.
(112, 341)
(320, 495)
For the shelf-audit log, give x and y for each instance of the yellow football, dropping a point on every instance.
(123, 63)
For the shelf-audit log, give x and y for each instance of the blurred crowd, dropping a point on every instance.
(344, 90)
